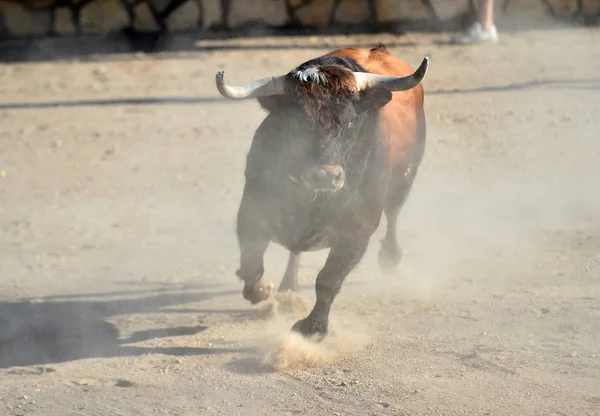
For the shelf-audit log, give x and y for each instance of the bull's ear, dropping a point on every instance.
(372, 100)
(271, 103)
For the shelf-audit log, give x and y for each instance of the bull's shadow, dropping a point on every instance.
(57, 329)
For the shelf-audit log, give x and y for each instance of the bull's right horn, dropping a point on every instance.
(365, 80)
(261, 88)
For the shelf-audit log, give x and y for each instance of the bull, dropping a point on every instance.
(341, 144)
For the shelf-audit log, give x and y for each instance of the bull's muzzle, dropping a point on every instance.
(326, 178)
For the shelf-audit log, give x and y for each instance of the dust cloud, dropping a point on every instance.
(280, 349)
(283, 350)
(286, 303)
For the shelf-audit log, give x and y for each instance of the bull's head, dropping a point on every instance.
(328, 111)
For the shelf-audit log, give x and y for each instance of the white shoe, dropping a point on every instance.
(475, 34)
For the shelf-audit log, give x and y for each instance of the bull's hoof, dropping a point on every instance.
(259, 291)
(311, 328)
(389, 257)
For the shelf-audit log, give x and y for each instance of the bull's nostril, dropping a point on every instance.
(337, 178)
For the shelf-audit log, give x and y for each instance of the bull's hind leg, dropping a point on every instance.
(253, 238)
(342, 259)
(290, 278)
(390, 252)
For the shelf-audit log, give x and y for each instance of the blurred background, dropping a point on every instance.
(150, 24)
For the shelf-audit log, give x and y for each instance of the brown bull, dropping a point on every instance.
(342, 143)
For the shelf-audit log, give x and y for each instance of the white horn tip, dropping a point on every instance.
(422, 70)
(219, 79)
(223, 90)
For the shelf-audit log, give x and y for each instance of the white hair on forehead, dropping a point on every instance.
(312, 73)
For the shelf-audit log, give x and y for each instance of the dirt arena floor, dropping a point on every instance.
(120, 179)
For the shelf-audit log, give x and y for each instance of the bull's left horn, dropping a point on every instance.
(260, 88)
(367, 80)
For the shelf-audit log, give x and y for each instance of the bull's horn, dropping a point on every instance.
(260, 88)
(367, 80)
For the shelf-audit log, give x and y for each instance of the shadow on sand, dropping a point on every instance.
(60, 329)
(128, 42)
(56, 329)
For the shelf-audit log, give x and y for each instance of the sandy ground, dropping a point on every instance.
(117, 286)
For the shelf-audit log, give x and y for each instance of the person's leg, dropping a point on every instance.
(482, 31)
(486, 14)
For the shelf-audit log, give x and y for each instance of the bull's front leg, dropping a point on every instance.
(342, 259)
(253, 239)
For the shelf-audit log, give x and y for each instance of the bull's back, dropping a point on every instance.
(401, 117)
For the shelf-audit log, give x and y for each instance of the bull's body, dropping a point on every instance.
(379, 145)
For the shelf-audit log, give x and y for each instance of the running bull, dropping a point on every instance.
(342, 143)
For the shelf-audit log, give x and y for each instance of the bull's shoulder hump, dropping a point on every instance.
(376, 60)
